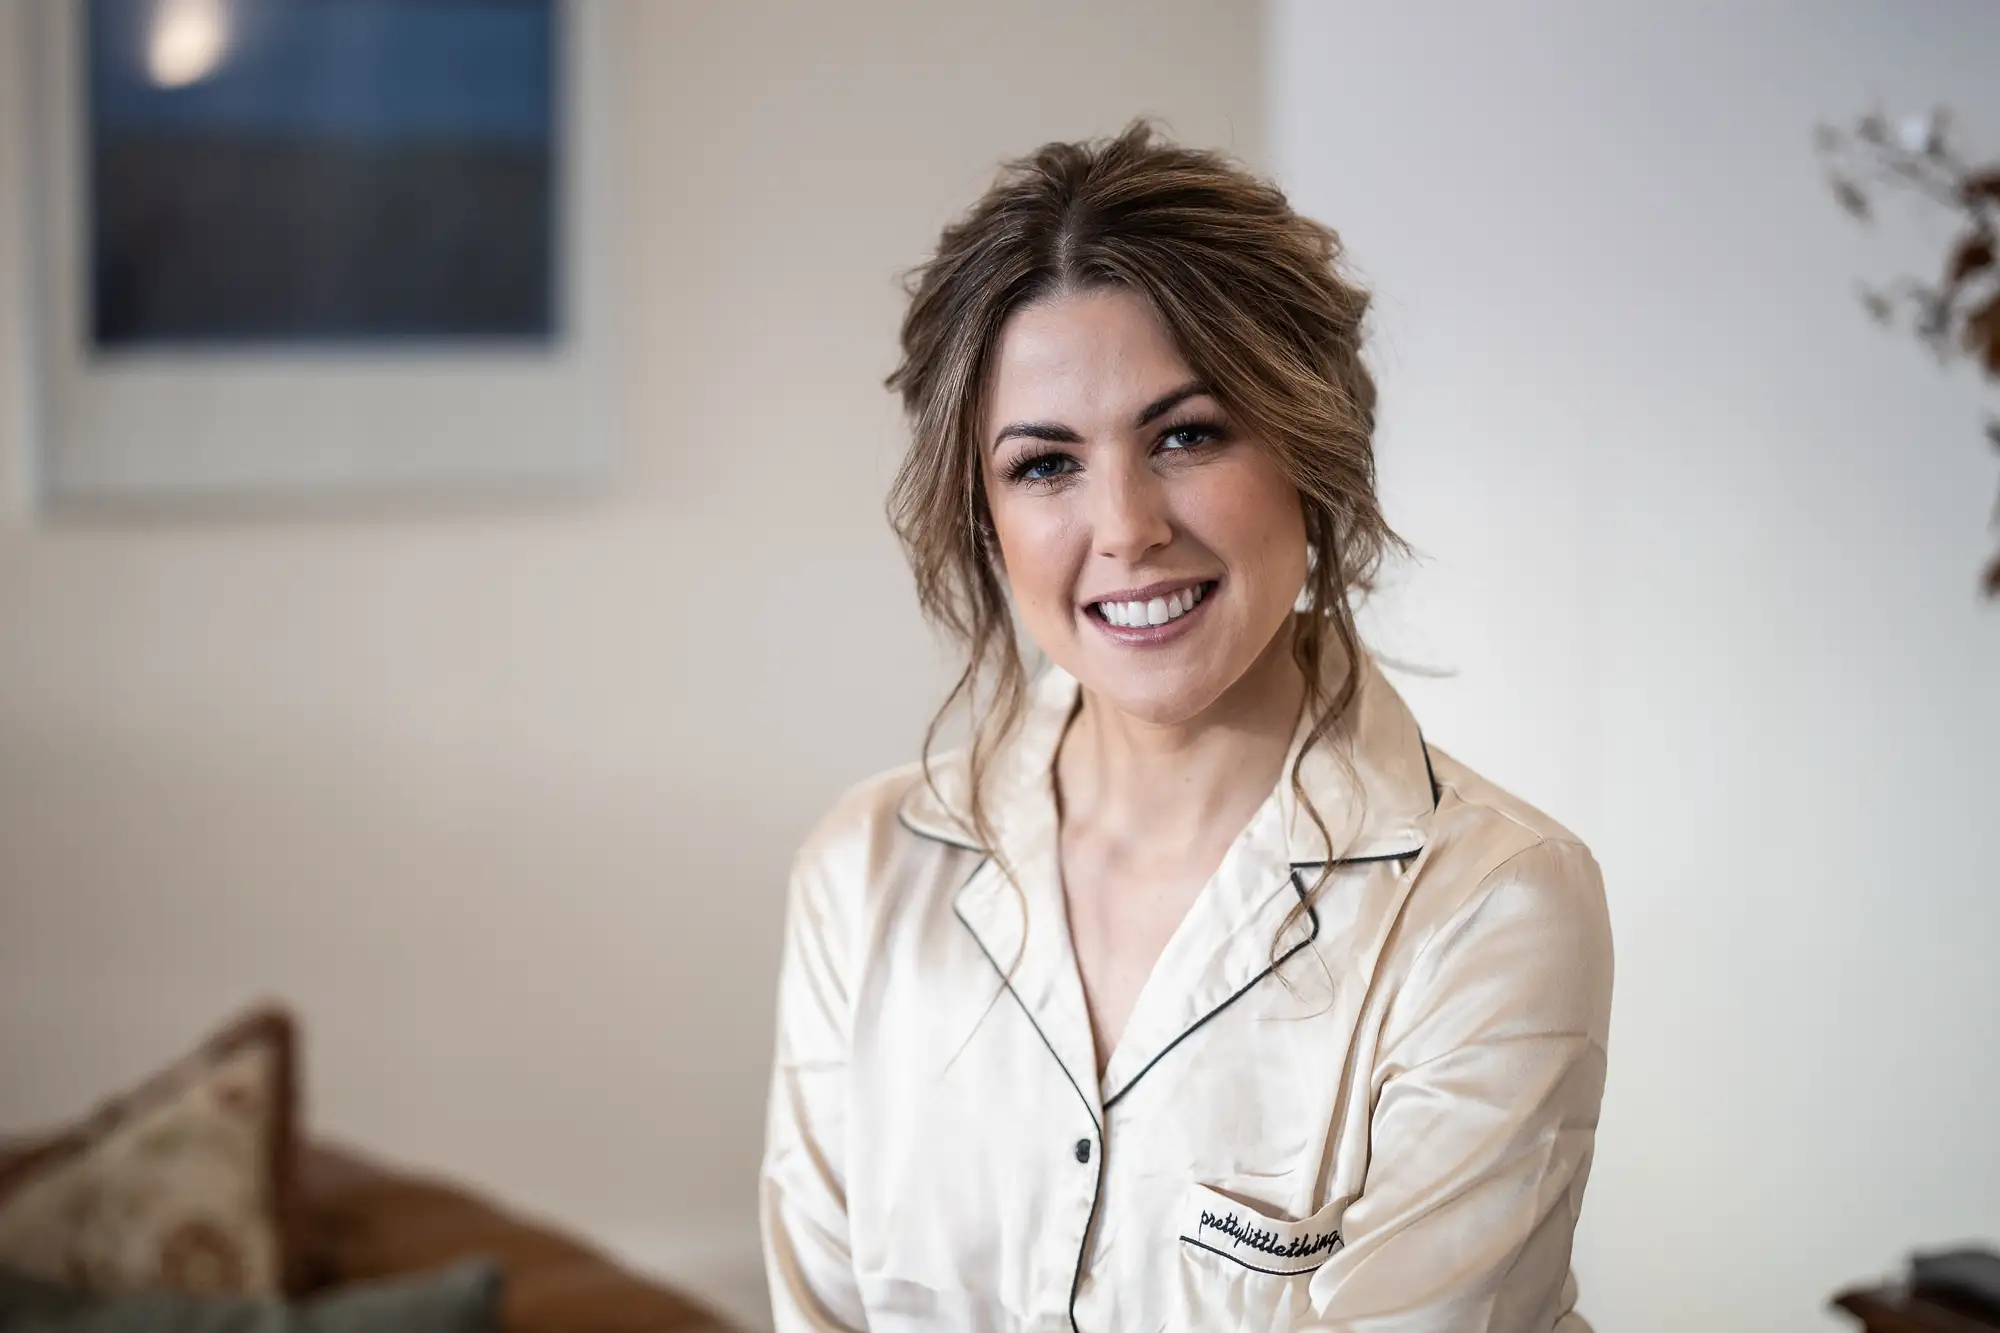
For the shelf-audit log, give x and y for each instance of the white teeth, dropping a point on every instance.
(1158, 611)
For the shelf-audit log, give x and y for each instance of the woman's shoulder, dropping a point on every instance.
(862, 816)
(871, 832)
(1480, 827)
(1501, 879)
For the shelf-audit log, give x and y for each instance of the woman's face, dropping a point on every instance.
(1154, 550)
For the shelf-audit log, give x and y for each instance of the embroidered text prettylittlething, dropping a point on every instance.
(1300, 1247)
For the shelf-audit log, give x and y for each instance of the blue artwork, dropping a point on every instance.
(322, 171)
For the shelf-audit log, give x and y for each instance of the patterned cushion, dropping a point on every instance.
(182, 1185)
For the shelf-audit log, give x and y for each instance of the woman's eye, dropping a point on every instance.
(1188, 437)
(1041, 467)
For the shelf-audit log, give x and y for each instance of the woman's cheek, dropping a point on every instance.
(1055, 569)
(1034, 558)
(1258, 521)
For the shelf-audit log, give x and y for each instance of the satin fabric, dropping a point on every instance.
(1373, 1113)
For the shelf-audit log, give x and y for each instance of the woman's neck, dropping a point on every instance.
(1171, 789)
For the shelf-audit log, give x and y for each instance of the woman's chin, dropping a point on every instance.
(1170, 698)
(1186, 682)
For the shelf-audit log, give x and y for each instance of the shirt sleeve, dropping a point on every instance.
(1487, 1086)
(803, 1184)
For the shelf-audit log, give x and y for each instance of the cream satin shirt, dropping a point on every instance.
(1377, 1114)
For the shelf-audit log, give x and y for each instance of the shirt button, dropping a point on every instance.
(1083, 1150)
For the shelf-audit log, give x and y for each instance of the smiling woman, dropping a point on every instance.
(1198, 991)
(1130, 499)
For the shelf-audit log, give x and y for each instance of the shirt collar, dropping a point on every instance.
(1370, 781)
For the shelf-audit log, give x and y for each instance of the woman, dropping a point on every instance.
(1197, 992)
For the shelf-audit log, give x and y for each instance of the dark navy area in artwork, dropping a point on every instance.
(338, 171)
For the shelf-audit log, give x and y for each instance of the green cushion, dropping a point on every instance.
(464, 1298)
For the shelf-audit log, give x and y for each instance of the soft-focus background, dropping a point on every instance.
(501, 796)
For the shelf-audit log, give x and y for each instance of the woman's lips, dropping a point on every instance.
(1149, 634)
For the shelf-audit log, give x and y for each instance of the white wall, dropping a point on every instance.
(1703, 547)
(502, 799)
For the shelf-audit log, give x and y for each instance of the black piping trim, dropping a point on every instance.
(1089, 1224)
(1025, 1011)
(1274, 1272)
(1097, 1185)
(1437, 792)
(1361, 860)
(1311, 912)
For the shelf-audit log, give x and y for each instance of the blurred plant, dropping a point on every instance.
(1959, 314)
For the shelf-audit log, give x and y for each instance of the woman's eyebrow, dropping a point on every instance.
(1056, 433)
(1052, 431)
(1166, 403)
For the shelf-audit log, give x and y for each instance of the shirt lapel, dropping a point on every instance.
(1370, 785)
(1013, 903)
(1242, 924)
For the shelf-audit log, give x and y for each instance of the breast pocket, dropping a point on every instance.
(1242, 1268)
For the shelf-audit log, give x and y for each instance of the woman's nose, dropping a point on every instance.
(1130, 516)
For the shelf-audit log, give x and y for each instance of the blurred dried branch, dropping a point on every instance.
(1959, 314)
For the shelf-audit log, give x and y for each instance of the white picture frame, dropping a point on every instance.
(170, 425)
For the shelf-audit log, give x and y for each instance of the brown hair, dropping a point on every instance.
(1251, 294)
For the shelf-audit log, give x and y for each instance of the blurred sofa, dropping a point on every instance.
(360, 1220)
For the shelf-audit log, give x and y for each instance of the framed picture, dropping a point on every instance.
(293, 249)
